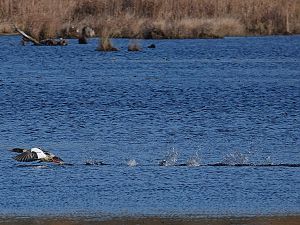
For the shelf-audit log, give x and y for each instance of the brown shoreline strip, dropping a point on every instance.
(253, 220)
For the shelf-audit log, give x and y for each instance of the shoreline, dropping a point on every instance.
(152, 220)
(176, 38)
(151, 19)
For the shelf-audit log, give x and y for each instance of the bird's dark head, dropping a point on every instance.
(58, 160)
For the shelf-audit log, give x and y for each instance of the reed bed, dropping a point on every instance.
(151, 18)
(106, 45)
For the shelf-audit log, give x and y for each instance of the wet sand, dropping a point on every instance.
(253, 220)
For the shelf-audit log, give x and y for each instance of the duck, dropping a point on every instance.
(36, 154)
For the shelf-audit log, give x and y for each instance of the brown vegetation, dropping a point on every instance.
(151, 18)
(106, 45)
(254, 220)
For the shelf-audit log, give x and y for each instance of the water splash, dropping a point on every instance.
(194, 160)
(235, 158)
(34, 166)
(268, 161)
(131, 162)
(170, 159)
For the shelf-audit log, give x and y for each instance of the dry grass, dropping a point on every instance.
(152, 18)
(106, 45)
(5, 28)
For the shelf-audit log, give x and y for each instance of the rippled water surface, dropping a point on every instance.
(232, 100)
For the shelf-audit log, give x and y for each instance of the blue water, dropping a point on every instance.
(219, 99)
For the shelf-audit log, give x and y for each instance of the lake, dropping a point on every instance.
(233, 102)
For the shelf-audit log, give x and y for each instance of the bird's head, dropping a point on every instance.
(58, 160)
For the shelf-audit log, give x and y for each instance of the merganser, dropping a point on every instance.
(35, 154)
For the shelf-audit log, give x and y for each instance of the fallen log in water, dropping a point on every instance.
(27, 37)
(47, 42)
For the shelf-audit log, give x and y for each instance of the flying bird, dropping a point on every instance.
(36, 154)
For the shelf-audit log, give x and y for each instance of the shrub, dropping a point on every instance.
(106, 45)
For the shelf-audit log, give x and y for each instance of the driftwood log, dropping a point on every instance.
(47, 42)
(27, 37)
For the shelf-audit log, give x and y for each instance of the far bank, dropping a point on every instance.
(151, 19)
(257, 220)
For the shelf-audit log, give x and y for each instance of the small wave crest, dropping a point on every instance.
(235, 158)
(170, 159)
(131, 162)
(194, 160)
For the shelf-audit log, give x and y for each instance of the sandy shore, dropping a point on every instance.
(253, 220)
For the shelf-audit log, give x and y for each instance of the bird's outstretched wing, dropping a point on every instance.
(26, 157)
(19, 150)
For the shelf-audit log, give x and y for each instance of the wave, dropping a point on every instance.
(235, 159)
(175, 165)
